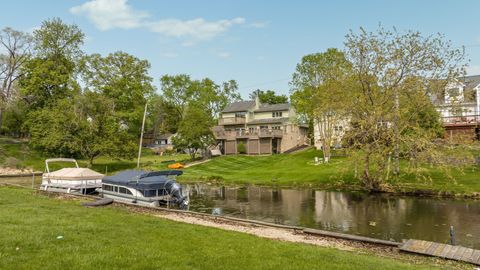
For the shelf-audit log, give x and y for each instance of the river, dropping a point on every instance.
(383, 216)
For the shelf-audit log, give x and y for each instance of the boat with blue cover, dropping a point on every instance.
(145, 188)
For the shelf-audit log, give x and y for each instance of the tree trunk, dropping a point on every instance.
(1, 119)
(90, 162)
(396, 150)
(366, 172)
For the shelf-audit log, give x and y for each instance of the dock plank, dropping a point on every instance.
(452, 252)
(446, 251)
(438, 251)
(467, 254)
(476, 257)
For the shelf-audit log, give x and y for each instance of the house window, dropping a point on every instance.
(338, 128)
(453, 92)
(240, 114)
(263, 127)
(276, 114)
(251, 130)
(276, 127)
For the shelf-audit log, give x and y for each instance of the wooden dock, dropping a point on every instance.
(457, 253)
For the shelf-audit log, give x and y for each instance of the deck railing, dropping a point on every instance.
(231, 134)
(466, 119)
(231, 121)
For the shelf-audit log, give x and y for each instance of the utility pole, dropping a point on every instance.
(141, 136)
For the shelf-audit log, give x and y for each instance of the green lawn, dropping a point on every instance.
(297, 169)
(113, 238)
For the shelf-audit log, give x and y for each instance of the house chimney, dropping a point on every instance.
(257, 101)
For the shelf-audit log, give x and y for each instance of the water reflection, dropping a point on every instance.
(380, 216)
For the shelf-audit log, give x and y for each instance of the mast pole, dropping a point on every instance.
(141, 136)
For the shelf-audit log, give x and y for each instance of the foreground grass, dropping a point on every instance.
(112, 238)
(33, 159)
(297, 169)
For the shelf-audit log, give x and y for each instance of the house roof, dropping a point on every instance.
(470, 81)
(273, 107)
(239, 106)
(165, 136)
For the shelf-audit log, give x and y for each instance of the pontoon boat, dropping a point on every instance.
(145, 188)
(72, 179)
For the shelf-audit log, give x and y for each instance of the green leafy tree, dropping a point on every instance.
(163, 116)
(393, 75)
(180, 90)
(320, 92)
(100, 130)
(124, 79)
(85, 127)
(49, 76)
(268, 97)
(194, 132)
(15, 50)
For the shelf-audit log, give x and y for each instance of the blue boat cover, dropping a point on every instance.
(142, 179)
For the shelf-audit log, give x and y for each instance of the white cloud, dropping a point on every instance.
(198, 29)
(109, 14)
(473, 70)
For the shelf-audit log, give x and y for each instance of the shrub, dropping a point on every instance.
(241, 148)
(11, 162)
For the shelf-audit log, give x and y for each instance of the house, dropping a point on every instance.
(338, 132)
(160, 141)
(253, 128)
(459, 107)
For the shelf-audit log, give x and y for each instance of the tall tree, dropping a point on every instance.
(393, 71)
(268, 97)
(50, 75)
(58, 40)
(194, 132)
(181, 90)
(122, 78)
(85, 126)
(17, 47)
(319, 91)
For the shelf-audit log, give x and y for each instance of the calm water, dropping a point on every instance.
(379, 216)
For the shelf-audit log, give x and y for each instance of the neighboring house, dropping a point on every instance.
(338, 132)
(161, 141)
(261, 128)
(459, 107)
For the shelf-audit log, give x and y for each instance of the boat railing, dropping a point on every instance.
(59, 160)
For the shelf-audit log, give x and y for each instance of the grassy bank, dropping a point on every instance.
(113, 238)
(297, 169)
(29, 158)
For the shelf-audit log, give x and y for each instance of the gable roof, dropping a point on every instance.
(470, 81)
(273, 107)
(239, 106)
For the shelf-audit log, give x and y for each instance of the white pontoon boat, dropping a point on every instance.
(72, 179)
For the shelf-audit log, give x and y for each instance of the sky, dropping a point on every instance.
(257, 43)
